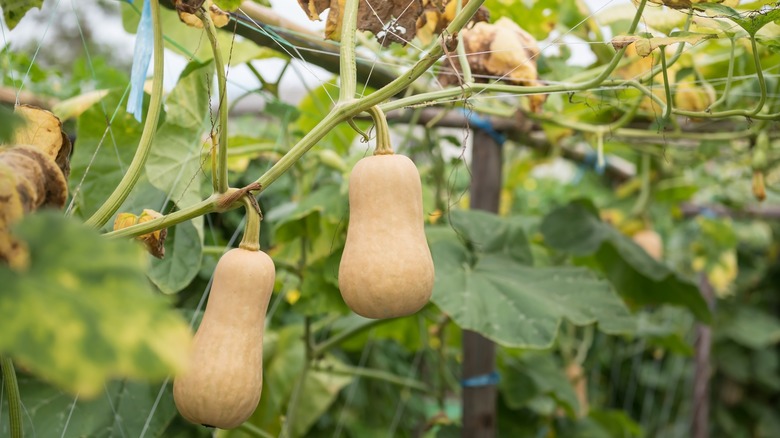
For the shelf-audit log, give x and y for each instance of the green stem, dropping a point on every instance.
(347, 66)
(13, 396)
(754, 113)
(644, 194)
(729, 76)
(222, 172)
(462, 57)
(254, 431)
(383, 145)
(251, 239)
(667, 88)
(295, 398)
(384, 376)
(321, 348)
(208, 205)
(671, 61)
(121, 192)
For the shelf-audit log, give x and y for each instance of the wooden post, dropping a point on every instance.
(479, 353)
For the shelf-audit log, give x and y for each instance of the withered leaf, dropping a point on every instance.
(41, 129)
(500, 50)
(188, 8)
(29, 180)
(390, 21)
(154, 241)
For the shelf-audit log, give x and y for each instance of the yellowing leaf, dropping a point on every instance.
(75, 106)
(81, 317)
(41, 129)
(644, 46)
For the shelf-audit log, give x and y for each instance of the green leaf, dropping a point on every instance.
(751, 21)
(295, 219)
(228, 5)
(312, 107)
(14, 10)
(174, 164)
(536, 374)
(577, 229)
(9, 121)
(83, 311)
(320, 288)
(282, 370)
(183, 255)
(751, 327)
(487, 287)
(121, 410)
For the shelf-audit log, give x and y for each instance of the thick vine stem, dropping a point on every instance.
(667, 87)
(13, 396)
(122, 190)
(251, 239)
(347, 66)
(383, 145)
(222, 172)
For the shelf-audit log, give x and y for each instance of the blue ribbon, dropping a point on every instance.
(484, 125)
(142, 57)
(481, 380)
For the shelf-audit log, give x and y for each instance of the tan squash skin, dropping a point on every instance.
(222, 385)
(386, 269)
(651, 242)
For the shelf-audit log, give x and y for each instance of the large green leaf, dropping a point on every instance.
(183, 255)
(296, 219)
(577, 229)
(485, 285)
(174, 164)
(174, 167)
(121, 410)
(282, 368)
(83, 311)
(533, 375)
(751, 327)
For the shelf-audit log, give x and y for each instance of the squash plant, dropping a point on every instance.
(585, 320)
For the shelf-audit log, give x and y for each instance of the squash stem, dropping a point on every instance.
(251, 239)
(14, 398)
(383, 145)
(222, 173)
(122, 190)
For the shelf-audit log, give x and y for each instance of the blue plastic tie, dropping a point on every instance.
(142, 57)
(484, 125)
(481, 380)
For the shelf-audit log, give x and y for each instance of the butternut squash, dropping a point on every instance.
(651, 242)
(386, 269)
(222, 386)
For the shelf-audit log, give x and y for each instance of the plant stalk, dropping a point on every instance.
(323, 347)
(347, 66)
(13, 396)
(383, 145)
(222, 173)
(122, 191)
(384, 376)
(251, 239)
